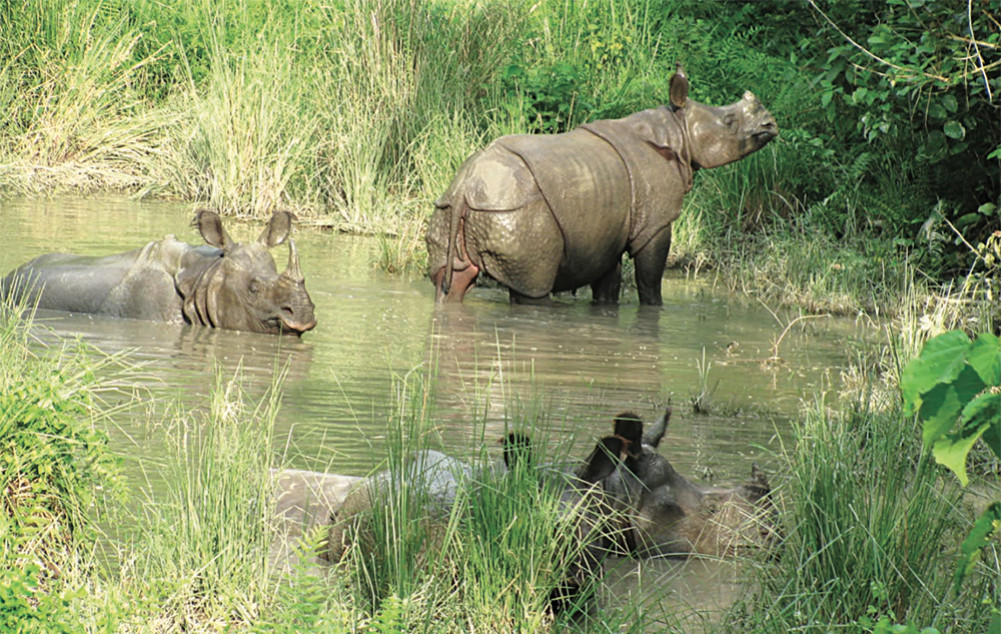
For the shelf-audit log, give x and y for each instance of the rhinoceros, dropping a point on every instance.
(435, 480)
(225, 284)
(664, 514)
(549, 213)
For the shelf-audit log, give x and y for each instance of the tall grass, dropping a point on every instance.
(872, 526)
(74, 110)
(489, 562)
(207, 537)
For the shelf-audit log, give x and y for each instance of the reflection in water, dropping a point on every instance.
(570, 368)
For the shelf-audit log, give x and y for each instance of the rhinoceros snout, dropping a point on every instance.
(297, 321)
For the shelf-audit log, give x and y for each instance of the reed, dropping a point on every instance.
(870, 521)
(207, 536)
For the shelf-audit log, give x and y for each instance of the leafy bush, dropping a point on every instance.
(53, 456)
(954, 386)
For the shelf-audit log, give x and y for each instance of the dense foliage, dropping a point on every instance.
(360, 112)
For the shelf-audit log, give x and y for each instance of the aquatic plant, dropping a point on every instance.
(869, 524)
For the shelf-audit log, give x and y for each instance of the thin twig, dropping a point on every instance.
(983, 71)
(778, 342)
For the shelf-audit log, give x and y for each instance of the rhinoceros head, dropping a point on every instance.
(241, 288)
(721, 135)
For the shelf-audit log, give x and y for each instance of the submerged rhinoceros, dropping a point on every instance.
(433, 481)
(224, 285)
(548, 213)
(664, 514)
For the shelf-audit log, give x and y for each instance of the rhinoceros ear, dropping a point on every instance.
(604, 460)
(679, 88)
(210, 226)
(278, 229)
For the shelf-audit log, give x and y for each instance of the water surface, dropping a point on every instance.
(567, 368)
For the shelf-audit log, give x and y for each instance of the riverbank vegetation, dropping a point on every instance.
(357, 114)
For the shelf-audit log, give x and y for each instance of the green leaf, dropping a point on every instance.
(987, 208)
(941, 360)
(954, 130)
(966, 219)
(950, 103)
(951, 451)
(993, 439)
(942, 405)
(984, 529)
(983, 410)
(984, 357)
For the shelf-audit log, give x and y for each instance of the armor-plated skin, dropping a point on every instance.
(549, 213)
(223, 285)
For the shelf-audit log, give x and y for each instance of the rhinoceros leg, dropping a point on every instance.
(650, 262)
(605, 290)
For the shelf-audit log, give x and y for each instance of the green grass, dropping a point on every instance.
(206, 538)
(873, 528)
(54, 454)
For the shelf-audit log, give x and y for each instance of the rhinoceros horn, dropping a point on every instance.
(292, 271)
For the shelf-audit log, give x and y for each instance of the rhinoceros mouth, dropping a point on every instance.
(287, 323)
(763, 137)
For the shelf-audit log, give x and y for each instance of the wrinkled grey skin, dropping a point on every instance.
(549, 213)
(666, 514)
(430, 474)
(223, 285)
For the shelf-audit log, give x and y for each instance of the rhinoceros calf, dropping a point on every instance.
(664, 514)
(223, 285)
(435, 480)
(548, 213)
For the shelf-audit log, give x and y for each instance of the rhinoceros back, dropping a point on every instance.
(136, 284)
(586, 186)
(651, 144)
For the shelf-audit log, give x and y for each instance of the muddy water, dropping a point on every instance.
(569, 368)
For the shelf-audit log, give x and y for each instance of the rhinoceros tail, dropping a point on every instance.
(454, 218)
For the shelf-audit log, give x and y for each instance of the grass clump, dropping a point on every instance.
(209, 533)
(870, 520)
(492, 560)
(54, 454)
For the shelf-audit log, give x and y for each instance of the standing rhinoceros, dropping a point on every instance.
(224, 285)
(549, 213)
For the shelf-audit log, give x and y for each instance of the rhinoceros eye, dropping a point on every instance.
(730, 121)
(254, 286)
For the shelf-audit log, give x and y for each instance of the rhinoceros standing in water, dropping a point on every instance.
(549, 213)
(224, 285)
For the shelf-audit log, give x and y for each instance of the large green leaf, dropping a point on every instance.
(993, 439)
(942, 405)
(940, 361)
(984, 529)
(984, 356)
(951, 450)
